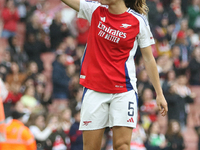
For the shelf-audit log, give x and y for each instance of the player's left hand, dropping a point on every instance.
(162, 104)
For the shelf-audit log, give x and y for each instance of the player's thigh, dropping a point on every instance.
(92, 139)
(94, 110)
(123, 110)
(121, 136)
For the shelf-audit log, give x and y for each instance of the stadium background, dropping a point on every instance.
(175, 11)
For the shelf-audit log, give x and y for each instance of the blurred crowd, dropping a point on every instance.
(53, 116)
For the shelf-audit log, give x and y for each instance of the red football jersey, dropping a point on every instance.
(108, 62)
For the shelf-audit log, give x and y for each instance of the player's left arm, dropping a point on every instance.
(151, 68)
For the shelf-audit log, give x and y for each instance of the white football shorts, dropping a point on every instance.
(100, 110)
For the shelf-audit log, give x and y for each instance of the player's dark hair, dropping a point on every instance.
(139, 6)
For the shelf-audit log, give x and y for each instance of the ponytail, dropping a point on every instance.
(139, 6)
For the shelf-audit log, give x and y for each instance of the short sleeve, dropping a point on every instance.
(87, 8)
(145, 37)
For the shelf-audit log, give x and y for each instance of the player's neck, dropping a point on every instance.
(118, 8)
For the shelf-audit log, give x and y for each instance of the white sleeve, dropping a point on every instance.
(40, 135)
(145, 37)
(3, 90)
(87, 8)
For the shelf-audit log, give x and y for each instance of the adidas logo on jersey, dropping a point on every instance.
(103, 19)
(130, 120)
(124, 25)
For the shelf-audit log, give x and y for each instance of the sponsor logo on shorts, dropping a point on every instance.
(85, 123)
(130, 120)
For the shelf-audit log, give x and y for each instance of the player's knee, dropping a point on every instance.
(121, 146)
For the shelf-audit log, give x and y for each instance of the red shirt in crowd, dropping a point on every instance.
(10, 19)
(13, 97)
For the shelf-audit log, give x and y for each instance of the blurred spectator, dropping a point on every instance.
(28, 99)
(61, 48)
(34, 49)
(43, 97)
(184, 6)
(181, 41)
(75, 134)
(193, 38)
(18, 136)
(41, 79)
(41, 131)
(173, 100)
(71, 70)
(71, 46)
(156, 140)
(186, 96)
(169, 81)
(14, 93)
(170, 13)
(33, 26)
(109, 143)
(163, 36)
(194, 15)
(176, 7)
(21, 6)
(66, 118)
(149, 108)
(37, 5)
(44, 14)
(176, 58)
(194, 67)
(66, 121)
(73, 86)
(6, 62)
(143, 81)
(17, 53)
(140, 64)
(29, 81)
(197, 127)
(77, 58)
(174, 136)
(164, 64)
(166, 3)
(56, 141)
(15, 76)
(185, 29)
(20, 108)
(76, 101)
(155, 7)
(60, 81)
(10, 18)
(58, 31)
(32, 70)
(138, 138)
(12, 98)
(3, 72)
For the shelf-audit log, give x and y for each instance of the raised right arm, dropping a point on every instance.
(75, 4)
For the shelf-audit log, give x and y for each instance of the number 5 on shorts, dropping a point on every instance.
(130, 109)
